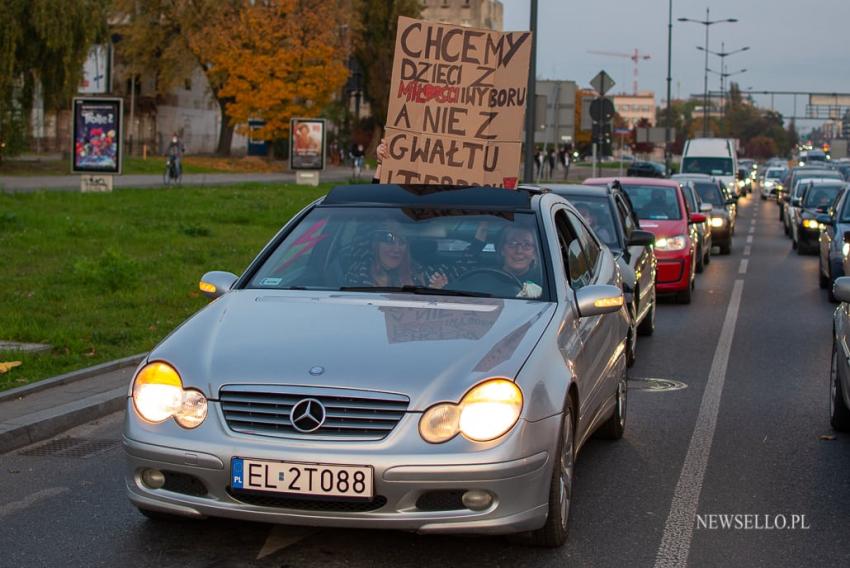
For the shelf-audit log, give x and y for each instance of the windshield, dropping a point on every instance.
(428, 251)
(821, 197)
(597, 212)
(710, 166)
(710, 193)
(774, 174)
(654, 203)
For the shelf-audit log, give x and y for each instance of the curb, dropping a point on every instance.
(48, 423)
(67, 378)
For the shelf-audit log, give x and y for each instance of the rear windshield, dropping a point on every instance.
(710, 166)
(799, 184)
(597, 212)
(654, 203)
(710, 193)
(822, 197)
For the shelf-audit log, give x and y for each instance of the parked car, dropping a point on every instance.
(696, 205)
(646, 169)
(816, 198)
(660, 206)
(834, 244)
(422, 358)
(609, 213)
(839, 369)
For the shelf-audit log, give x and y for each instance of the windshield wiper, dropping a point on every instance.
(410, 289)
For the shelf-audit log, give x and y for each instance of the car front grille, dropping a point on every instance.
(351, 415)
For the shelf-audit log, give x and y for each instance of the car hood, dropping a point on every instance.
(427, 348)
(665, 228)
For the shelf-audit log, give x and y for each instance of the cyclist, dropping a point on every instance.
(175, 152)
(357, 155)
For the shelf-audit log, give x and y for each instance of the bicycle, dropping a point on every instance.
(173, 172)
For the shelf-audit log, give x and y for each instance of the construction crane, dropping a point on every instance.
(636, 57)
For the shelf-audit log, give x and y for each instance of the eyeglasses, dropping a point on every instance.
(520, 245)
(390, 238)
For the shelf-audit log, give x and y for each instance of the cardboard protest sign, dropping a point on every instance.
(457, 105)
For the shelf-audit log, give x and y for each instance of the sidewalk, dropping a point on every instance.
(25, 184)
(41, 410)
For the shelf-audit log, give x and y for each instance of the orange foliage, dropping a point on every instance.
(279, 59)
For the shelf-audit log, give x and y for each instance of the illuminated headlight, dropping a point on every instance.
(158, 395)
(768, 184)
(679, 242)
(741, 183)
(845, 249)
(811, 224)
(802, 164)
(717, 222)
(486, 412)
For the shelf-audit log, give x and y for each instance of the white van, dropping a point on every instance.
(713, 156)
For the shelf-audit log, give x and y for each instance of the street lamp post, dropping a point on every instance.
(707, 23)
(723, 54)
(667, 148)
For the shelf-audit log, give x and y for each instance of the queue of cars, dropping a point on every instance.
(455, 348)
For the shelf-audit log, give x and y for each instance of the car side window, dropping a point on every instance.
(625, 216)
(591, 248)
(575, 261)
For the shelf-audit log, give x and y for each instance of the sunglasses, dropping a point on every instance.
(520, 245)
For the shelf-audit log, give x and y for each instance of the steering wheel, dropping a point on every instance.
(482, 279)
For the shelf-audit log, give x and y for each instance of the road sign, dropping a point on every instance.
(602, 83)
(601, 109)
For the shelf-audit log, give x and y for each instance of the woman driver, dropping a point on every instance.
(518, 250)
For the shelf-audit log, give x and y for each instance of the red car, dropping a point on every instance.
(660, 206)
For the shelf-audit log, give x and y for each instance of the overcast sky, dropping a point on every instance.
(795, 45)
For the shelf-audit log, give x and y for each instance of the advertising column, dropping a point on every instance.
(307, 149)
(96, 151)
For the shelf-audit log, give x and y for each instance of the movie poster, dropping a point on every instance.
(97, 136)
(307, 144)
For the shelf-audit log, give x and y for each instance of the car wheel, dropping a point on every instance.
(707, 259)
(685, 296)
(700, 262)
(830, 283)
(614, 427)
(647, 326)
(554, 532)
(839, 414)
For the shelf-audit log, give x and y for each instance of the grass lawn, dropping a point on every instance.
(153, 165)
(104, 275)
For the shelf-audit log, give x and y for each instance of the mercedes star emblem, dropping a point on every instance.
(307, 415)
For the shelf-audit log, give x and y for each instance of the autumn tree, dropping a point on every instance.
(376, 45)
(43, 43)
(156, 37)
(278, 59)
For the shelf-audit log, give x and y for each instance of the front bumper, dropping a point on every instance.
(807, 237)
(516, 470)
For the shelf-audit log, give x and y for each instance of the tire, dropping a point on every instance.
(839, 414)
(554, 533)
(823, 281)
(700, 264)
(707, 259)
(614, 427)
(647, 326)
(685, 296)
(631, 346)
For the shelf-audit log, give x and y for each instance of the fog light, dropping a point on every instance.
(153, 478)
(477, 500)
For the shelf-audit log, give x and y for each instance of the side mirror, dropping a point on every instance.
(705, 208)
(598, 299)
(216, 283)
(795, 201)
(696, 218)
(824, 219)
(841, 289)
(640, 238)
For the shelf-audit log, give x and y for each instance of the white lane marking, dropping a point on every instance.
(747, 250)
(749, 239)
(679, 528)
(281, 537)
(752, 230)
(30, 500)
(742, 269)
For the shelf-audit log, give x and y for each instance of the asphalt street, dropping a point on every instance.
(749, 435)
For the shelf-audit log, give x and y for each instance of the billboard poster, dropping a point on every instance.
(457, 105)
(97, 136)
(307, 144)
(95, 79)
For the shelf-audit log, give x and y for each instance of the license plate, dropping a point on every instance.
(352, 481)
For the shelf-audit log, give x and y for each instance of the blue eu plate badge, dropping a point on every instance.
(236, 477)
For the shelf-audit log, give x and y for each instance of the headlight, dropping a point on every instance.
(158, 395)
(741, 183)
(486, 412)
(679, 242)
(718, 222)
(811, 224)
(845, 249)
(768, 184)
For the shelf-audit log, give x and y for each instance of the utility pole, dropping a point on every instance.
(528, 166)
(668, 150)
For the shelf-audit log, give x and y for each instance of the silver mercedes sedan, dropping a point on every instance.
(422, 358)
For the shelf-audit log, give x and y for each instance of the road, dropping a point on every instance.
(749, 435)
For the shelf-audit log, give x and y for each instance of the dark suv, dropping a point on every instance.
(646, 169)
(609, 213)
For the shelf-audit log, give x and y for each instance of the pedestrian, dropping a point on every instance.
(566, 163)
(538, 160)
(552, 160)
